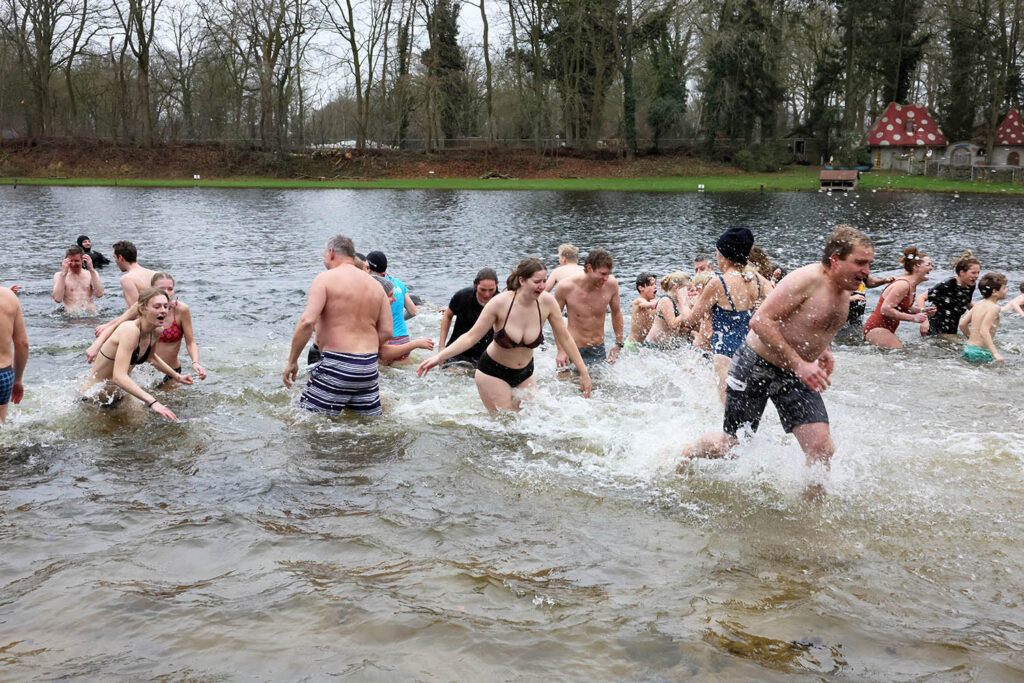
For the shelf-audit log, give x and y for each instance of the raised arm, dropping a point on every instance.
(708, 296)
(94, 277)
(104, 331)
(58, 283)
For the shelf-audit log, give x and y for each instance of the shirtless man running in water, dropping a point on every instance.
(586, 298)
(787, 356)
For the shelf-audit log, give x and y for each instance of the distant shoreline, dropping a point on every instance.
(804, 180)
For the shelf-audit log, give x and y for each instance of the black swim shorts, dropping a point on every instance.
(753, 380)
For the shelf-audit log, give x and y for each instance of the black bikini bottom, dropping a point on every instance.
(511, 376)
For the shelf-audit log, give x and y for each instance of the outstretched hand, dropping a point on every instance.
(183, 379)
(162, 410)
(426, 366)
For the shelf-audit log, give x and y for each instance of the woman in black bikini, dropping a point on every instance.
(517, 317)
(131, 344)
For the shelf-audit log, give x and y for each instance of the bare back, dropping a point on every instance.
(134, 281)
(983, 322)
(569, 270)
(353, 310)
(807, 308)
(10, 314)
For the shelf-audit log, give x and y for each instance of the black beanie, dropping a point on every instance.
(735, 243)
(81, 239)
(377, 261)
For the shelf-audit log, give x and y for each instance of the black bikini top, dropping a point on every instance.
(502, 339)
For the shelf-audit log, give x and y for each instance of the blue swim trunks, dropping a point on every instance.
(6, 385)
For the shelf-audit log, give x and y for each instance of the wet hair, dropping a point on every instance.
(701, 257)
(676, 279)
(162, 276)
(148, 293)
(965, 262)
(990, 283)
(525, 270)
(341, 246)
(841, 242)
(644, 279)
(126, 250)
(599, 258)
(569, 252)
(1022, 288)
(74, 251)
(761, 262)
(485, 274)
(912, 256)
(702, 278)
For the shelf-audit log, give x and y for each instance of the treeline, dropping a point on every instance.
(729, 76)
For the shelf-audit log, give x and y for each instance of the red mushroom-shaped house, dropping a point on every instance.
(904, 134)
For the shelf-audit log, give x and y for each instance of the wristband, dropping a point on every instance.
(620, 344)
(150, 404)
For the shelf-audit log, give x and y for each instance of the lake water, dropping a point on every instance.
(254, 541)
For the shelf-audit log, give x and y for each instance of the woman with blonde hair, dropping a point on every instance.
(171, 337)
(896, 304)
(132, 343)
(671, 307)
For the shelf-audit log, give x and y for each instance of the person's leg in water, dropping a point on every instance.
(883, 338)
(815, 440)
(496, 394)
(721, 364)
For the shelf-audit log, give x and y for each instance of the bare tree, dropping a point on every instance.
(138, 21)
(47, 35)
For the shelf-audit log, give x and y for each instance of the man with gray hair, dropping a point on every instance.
(352, 318)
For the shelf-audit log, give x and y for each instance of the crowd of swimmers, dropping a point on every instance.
(768, 334)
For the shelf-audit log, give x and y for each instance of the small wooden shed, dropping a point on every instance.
(1009, 148)
(842, 181)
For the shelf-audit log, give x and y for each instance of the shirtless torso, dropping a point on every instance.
(586, 298)
(76, 284)
(642, 313)
(797, 322)
(13, 350)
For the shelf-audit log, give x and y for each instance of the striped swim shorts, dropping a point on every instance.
(343, 381)
(6, 385)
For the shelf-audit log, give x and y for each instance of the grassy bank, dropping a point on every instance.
(793, 180)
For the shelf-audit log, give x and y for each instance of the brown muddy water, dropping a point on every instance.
(252, 541)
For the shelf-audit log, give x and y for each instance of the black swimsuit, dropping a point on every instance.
(136, 358)
(511, 376)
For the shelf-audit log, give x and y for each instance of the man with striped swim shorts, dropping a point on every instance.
(12, 364)
(352, 318)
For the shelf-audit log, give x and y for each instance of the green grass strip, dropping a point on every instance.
(794, 180)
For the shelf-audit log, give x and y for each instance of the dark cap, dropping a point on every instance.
(377, 261)
(81, 239)
(735, 243)
(388, 286)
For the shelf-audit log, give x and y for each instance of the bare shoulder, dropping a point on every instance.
(8, 299)
(612, 285)
(548, 304)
